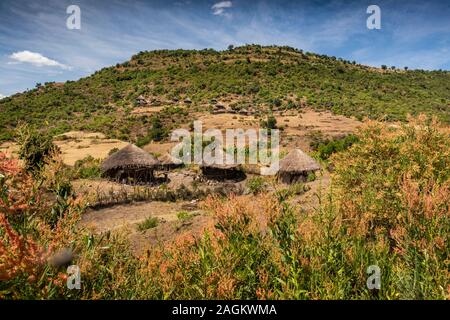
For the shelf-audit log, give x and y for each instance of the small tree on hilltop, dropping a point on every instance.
(271, 123)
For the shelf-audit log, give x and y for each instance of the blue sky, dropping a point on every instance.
(36, 46)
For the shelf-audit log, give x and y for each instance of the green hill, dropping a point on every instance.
(252, 75)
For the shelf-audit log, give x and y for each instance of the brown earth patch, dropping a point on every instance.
(76, 145)
(147, 110)
(297, 127)
(126, 218)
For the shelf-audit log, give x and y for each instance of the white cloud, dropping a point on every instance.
(2, 96)
(36, 59)
(219, 8)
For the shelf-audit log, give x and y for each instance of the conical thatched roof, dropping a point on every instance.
(297, 161)
(220, 166)
(167, 160)
(129, 157)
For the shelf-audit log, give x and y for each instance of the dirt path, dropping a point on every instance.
(168, 231)
(126, 218)
(121, 216)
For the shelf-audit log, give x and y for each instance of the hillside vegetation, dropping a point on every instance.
(388, 207)
(263, 77)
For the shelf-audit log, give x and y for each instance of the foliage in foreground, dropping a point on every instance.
(149, 223)
(34, 147)
(388, 206)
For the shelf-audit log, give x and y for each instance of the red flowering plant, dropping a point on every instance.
(27, 240)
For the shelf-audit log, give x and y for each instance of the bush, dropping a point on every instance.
(149, 223)
(37, 219)
(156, 133)
(372, 173)
(256, 185)
(34, 147)
(298, 188)
(277, 102)
(184, 215)
(391, 212)
(270, 123)
(328, 147)
(87, 168)
(317, 138)
(311, 177)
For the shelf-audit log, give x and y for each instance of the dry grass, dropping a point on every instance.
(76, 145)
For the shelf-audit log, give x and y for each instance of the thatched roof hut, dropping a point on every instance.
(223, 172)
(296, 166)
(130, 164)
(219, 108)
(168, 162)
(141, 100)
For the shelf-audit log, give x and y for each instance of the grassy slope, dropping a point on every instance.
(252, 75)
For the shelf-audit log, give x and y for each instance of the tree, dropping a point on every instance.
(157, 132)
(271, 123)
(276, 102)
(230, 47)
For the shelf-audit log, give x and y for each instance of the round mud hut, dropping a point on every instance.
(296, 166)
(130, 165)
(220, 172)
